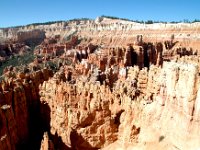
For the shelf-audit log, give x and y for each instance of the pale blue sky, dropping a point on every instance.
(21, 12)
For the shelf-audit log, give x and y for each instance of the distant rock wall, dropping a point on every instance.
(31, 37)
(110, 29)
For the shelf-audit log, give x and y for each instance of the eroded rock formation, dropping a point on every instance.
(104, 84)
(8, 50)
(18, 97)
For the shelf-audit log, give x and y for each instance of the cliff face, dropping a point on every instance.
(18, 96)
(175, 104)
(113, 31)
(31, 37)
(109, 84)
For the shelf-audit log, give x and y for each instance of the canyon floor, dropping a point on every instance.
(105, 84)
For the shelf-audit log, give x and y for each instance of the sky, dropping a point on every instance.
(22, 12)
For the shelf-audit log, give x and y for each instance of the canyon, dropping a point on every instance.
(101, 84)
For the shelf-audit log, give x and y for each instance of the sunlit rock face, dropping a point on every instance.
(104, 84)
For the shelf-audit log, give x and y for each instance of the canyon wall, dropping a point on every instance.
(18, 97)
(30, 37)
(105, 29)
